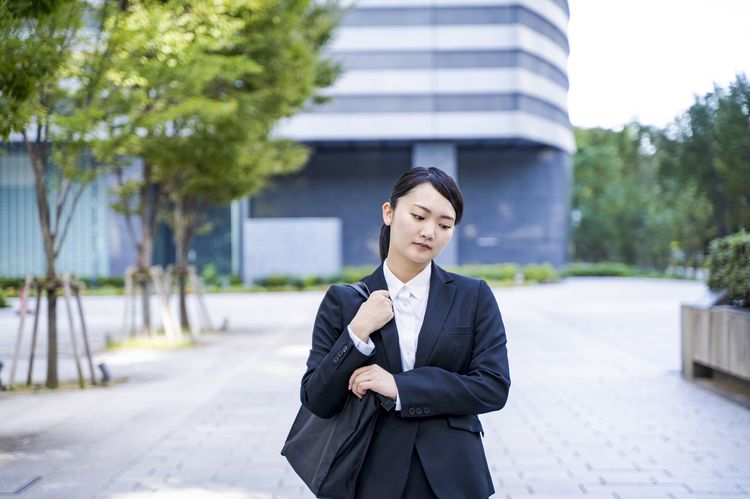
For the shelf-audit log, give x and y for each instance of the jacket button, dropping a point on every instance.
(335, 360)
(419, 410)
(346, 347)
(426, 410)
(339, 354)
(411, 410)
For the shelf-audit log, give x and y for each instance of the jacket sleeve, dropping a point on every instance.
(332, 360)
(431, 391)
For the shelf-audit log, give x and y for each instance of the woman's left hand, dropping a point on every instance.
(375, 378)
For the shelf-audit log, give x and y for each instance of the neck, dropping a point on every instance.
(404, 270)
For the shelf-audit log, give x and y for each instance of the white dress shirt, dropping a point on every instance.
(409, 306)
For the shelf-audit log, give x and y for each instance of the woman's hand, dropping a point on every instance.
(373, 378)
(372, 314)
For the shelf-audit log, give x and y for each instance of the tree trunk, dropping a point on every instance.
(149, 206)
(52, 380)
(144, 263)
(185, 212)
(38, 154)
(181, 260)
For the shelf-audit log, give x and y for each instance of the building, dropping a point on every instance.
(476, 88)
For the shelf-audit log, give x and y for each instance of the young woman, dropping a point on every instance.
(432, 341)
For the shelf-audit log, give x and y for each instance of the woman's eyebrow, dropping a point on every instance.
(429, 211)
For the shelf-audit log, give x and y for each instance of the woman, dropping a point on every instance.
(432, 341)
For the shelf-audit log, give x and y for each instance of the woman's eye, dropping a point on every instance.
(446, 227)
(417, 217)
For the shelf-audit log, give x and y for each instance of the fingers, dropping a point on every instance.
(356, 373)
(363, 379)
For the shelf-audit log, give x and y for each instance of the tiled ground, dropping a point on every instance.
(597, 406)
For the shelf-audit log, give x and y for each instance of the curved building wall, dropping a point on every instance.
(476, 88)
(447, 70)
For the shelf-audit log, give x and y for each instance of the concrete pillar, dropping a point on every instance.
(240, 211)
(440, 155)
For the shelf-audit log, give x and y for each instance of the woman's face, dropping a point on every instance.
(421, 225)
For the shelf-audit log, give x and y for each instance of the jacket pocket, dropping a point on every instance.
(468, 422)
(459, 330)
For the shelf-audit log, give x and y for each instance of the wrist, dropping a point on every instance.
(359, 331)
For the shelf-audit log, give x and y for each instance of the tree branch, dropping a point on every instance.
(61, 202)
(69, 218)
(128, 216)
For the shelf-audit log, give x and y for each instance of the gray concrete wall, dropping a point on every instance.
(344, 182)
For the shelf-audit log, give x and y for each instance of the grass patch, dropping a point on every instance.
(148, 343)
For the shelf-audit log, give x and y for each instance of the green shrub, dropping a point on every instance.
(210, 275)
(235, 280)
(12, 282)
(540, 273)
(729, 267)
(598, 269)
(489, 272)
(354, 274)
(275, 281)
(313, 280)
(4, 298)
(103, 281)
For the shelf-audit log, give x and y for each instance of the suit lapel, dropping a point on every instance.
(386, 338)
(439, 302)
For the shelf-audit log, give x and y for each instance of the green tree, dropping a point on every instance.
(708, 150)
(624, 213)
(51, 66)
(195, 90)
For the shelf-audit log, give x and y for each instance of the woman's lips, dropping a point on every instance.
(423, 246)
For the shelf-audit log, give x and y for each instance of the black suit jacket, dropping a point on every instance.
(461, 370)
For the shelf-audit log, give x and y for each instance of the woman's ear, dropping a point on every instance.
(387, 213)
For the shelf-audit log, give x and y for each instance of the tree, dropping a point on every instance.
(33, 40)
(50, 67)
(709, 149)
(196, 89)
(626, 214)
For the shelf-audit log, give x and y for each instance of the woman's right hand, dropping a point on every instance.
(372, 314)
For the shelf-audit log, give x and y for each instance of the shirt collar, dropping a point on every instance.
(418, 286)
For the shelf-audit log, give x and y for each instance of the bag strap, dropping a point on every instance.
(361, 288)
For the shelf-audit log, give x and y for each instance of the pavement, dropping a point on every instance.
(597, 407)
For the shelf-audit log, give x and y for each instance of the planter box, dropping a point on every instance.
(715, 338)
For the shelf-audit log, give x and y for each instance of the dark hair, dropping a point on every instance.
(441, 181)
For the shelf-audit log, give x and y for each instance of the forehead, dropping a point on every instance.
(427, 196)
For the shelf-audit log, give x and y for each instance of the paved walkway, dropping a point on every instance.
(597, 407)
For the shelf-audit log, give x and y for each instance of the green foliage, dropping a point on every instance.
(4, 298)
(598, 269)
(729, 266)
(709, 150)
(12, 282)
(540, 273)
(35, 40)
(210, 275)
(355, 273)
(622, 214)
(103, 281)
(493, 272)
(654, 198)
(277, 281)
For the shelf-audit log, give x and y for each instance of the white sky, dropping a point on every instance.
(646, 59)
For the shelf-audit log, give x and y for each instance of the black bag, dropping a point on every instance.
(328, 453)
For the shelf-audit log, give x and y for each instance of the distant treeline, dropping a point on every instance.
(654, 197)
